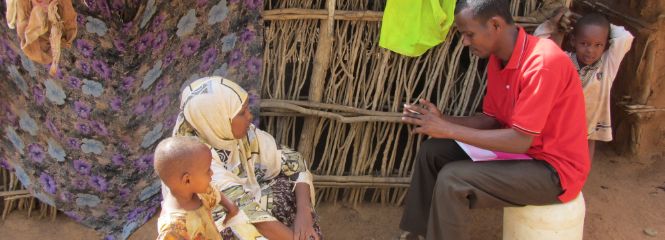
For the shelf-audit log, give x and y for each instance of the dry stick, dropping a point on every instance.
(452, 71)
(321, 14)
(348, 144)
(12, 193)
(321, 64)
(393, 153)
(467, 87)
(340, 166)
(333, 107)
(319, 132)
(299, 13)
(384, 160)
(31, 205)
(337, 167)
(371, 159)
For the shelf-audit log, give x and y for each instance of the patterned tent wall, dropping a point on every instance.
(82, 140)
(330, 90)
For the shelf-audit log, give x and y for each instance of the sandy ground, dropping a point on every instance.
(624, 197)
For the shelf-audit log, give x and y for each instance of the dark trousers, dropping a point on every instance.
(446, 184)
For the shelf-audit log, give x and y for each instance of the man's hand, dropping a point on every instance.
(428, 119)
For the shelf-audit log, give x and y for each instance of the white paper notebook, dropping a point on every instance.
(478, 154)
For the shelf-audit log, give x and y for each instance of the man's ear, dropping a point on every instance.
(496, 24)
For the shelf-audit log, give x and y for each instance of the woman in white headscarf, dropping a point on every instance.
(270, 185)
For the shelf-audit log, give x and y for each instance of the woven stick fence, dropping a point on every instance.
(14, 196)
(330, 90)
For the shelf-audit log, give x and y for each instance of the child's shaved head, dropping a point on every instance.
(595, 19)
(591, 38)
(174, 156)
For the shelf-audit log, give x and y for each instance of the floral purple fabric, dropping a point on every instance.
(83, 140)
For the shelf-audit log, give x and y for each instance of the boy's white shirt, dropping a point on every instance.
(597, 93)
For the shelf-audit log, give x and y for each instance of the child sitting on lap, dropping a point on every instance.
(183, 165)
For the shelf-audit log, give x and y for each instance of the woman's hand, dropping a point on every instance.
(230, 213)
(303, 227)
(230, 207)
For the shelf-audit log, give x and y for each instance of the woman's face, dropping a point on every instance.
(240, 123)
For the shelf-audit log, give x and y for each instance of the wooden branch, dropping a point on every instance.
(322, 14)
(275, 103)
(299, 13)
(355, 185)
(633, 109)
(361, 179)
(14, 197)
(13, 193)
(393, 117)
(322, 59)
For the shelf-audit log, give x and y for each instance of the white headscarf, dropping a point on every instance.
(208, 105)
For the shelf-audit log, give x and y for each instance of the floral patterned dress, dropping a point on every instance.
(82, 140)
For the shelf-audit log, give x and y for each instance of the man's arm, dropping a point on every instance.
(503, 140)
(429, 121)
(478, 121)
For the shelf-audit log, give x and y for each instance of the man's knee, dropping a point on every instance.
(453, 177)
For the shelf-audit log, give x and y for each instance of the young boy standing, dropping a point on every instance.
(599, 48)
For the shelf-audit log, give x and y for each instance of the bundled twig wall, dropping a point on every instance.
(330, 90)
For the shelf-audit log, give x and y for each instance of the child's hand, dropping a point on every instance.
(568, 20)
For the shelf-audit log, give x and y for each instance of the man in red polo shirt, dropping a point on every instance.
(534, 105)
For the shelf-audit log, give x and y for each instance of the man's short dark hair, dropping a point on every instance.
(593, 18)
(483, 10)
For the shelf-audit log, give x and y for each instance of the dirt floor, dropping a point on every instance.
(624, 197)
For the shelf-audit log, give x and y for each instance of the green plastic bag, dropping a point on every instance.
(411, 27)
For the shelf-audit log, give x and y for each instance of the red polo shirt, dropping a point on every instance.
(539, 93)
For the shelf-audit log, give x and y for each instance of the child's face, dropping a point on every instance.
(200, 173)
(240, 123)
(589, 43)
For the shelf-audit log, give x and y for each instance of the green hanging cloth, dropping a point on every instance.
(411, 27)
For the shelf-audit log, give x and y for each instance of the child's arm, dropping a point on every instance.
(549, 30)
(556, 27)
(620, 43)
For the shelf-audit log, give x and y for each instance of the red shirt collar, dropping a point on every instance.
(518, 51)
